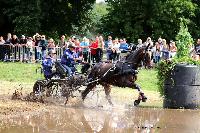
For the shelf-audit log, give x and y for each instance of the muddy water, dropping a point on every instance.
(134, 120)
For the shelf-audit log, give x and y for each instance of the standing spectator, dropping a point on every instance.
(140, 44)
(93, 47)
(124, 47)
(15, 42)
(157, 52)
(43, 45)
(77, 48)
(108, 45)
(197, 50)
(51, 45)
(30, 47)
(116, 47)
(2, 52)
(8, 46)
(84, 45)
(165, 50)
(9, 39)
(23, 42)
(37, 48)
(100, 49)
(149, 43)
(62, 44)
(173, 49)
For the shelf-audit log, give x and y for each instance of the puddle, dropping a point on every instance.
(71, 120)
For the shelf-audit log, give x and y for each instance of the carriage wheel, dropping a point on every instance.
(57, 88)
(136, 102)
(39, 86)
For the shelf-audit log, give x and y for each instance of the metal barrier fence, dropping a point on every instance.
(10, 52)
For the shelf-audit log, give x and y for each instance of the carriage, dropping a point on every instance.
(59, 85)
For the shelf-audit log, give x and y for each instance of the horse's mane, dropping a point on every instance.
(135, 53)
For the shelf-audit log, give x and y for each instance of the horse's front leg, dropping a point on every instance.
(141, 94)
(107, 89)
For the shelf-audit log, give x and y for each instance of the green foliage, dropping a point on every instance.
(165, 67)
(184, 41)
(46, 17)
(139, 19)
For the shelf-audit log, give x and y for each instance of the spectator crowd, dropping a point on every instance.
(34, 49)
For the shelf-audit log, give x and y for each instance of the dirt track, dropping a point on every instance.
(11, 108)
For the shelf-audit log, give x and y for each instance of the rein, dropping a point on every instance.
(98, 79)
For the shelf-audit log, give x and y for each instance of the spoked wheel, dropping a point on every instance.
(39, 87)
(136, 102)
(58, 88)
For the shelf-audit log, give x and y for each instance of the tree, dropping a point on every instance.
(24, 15)
(139, 19)
(50, 17)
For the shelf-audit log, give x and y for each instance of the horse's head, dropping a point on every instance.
(138, 56)
(147, 57)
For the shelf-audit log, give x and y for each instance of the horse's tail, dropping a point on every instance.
(85, 68)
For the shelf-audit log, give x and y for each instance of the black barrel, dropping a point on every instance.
(182, 88)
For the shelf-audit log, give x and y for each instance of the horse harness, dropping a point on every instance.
(117, 70)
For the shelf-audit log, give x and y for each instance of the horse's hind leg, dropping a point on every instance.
(107, 92)
(87, 90)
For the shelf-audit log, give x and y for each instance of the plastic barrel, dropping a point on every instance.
(182, 88)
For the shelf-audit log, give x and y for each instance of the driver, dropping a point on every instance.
(47, 65)
(69, 59)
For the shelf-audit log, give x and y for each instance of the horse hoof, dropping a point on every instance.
(144, 99)
(136, 102)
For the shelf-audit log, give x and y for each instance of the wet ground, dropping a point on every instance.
(94, 115)
(76, 120)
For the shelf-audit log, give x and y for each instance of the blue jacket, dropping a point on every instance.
(68, 58)
(84, 44)
(123, 46)
(47, 65)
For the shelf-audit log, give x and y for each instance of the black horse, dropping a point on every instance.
(121, 74)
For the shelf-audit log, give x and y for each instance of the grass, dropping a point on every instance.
(19, 72)
(26, 73)
(14, 74)
(148, 79)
